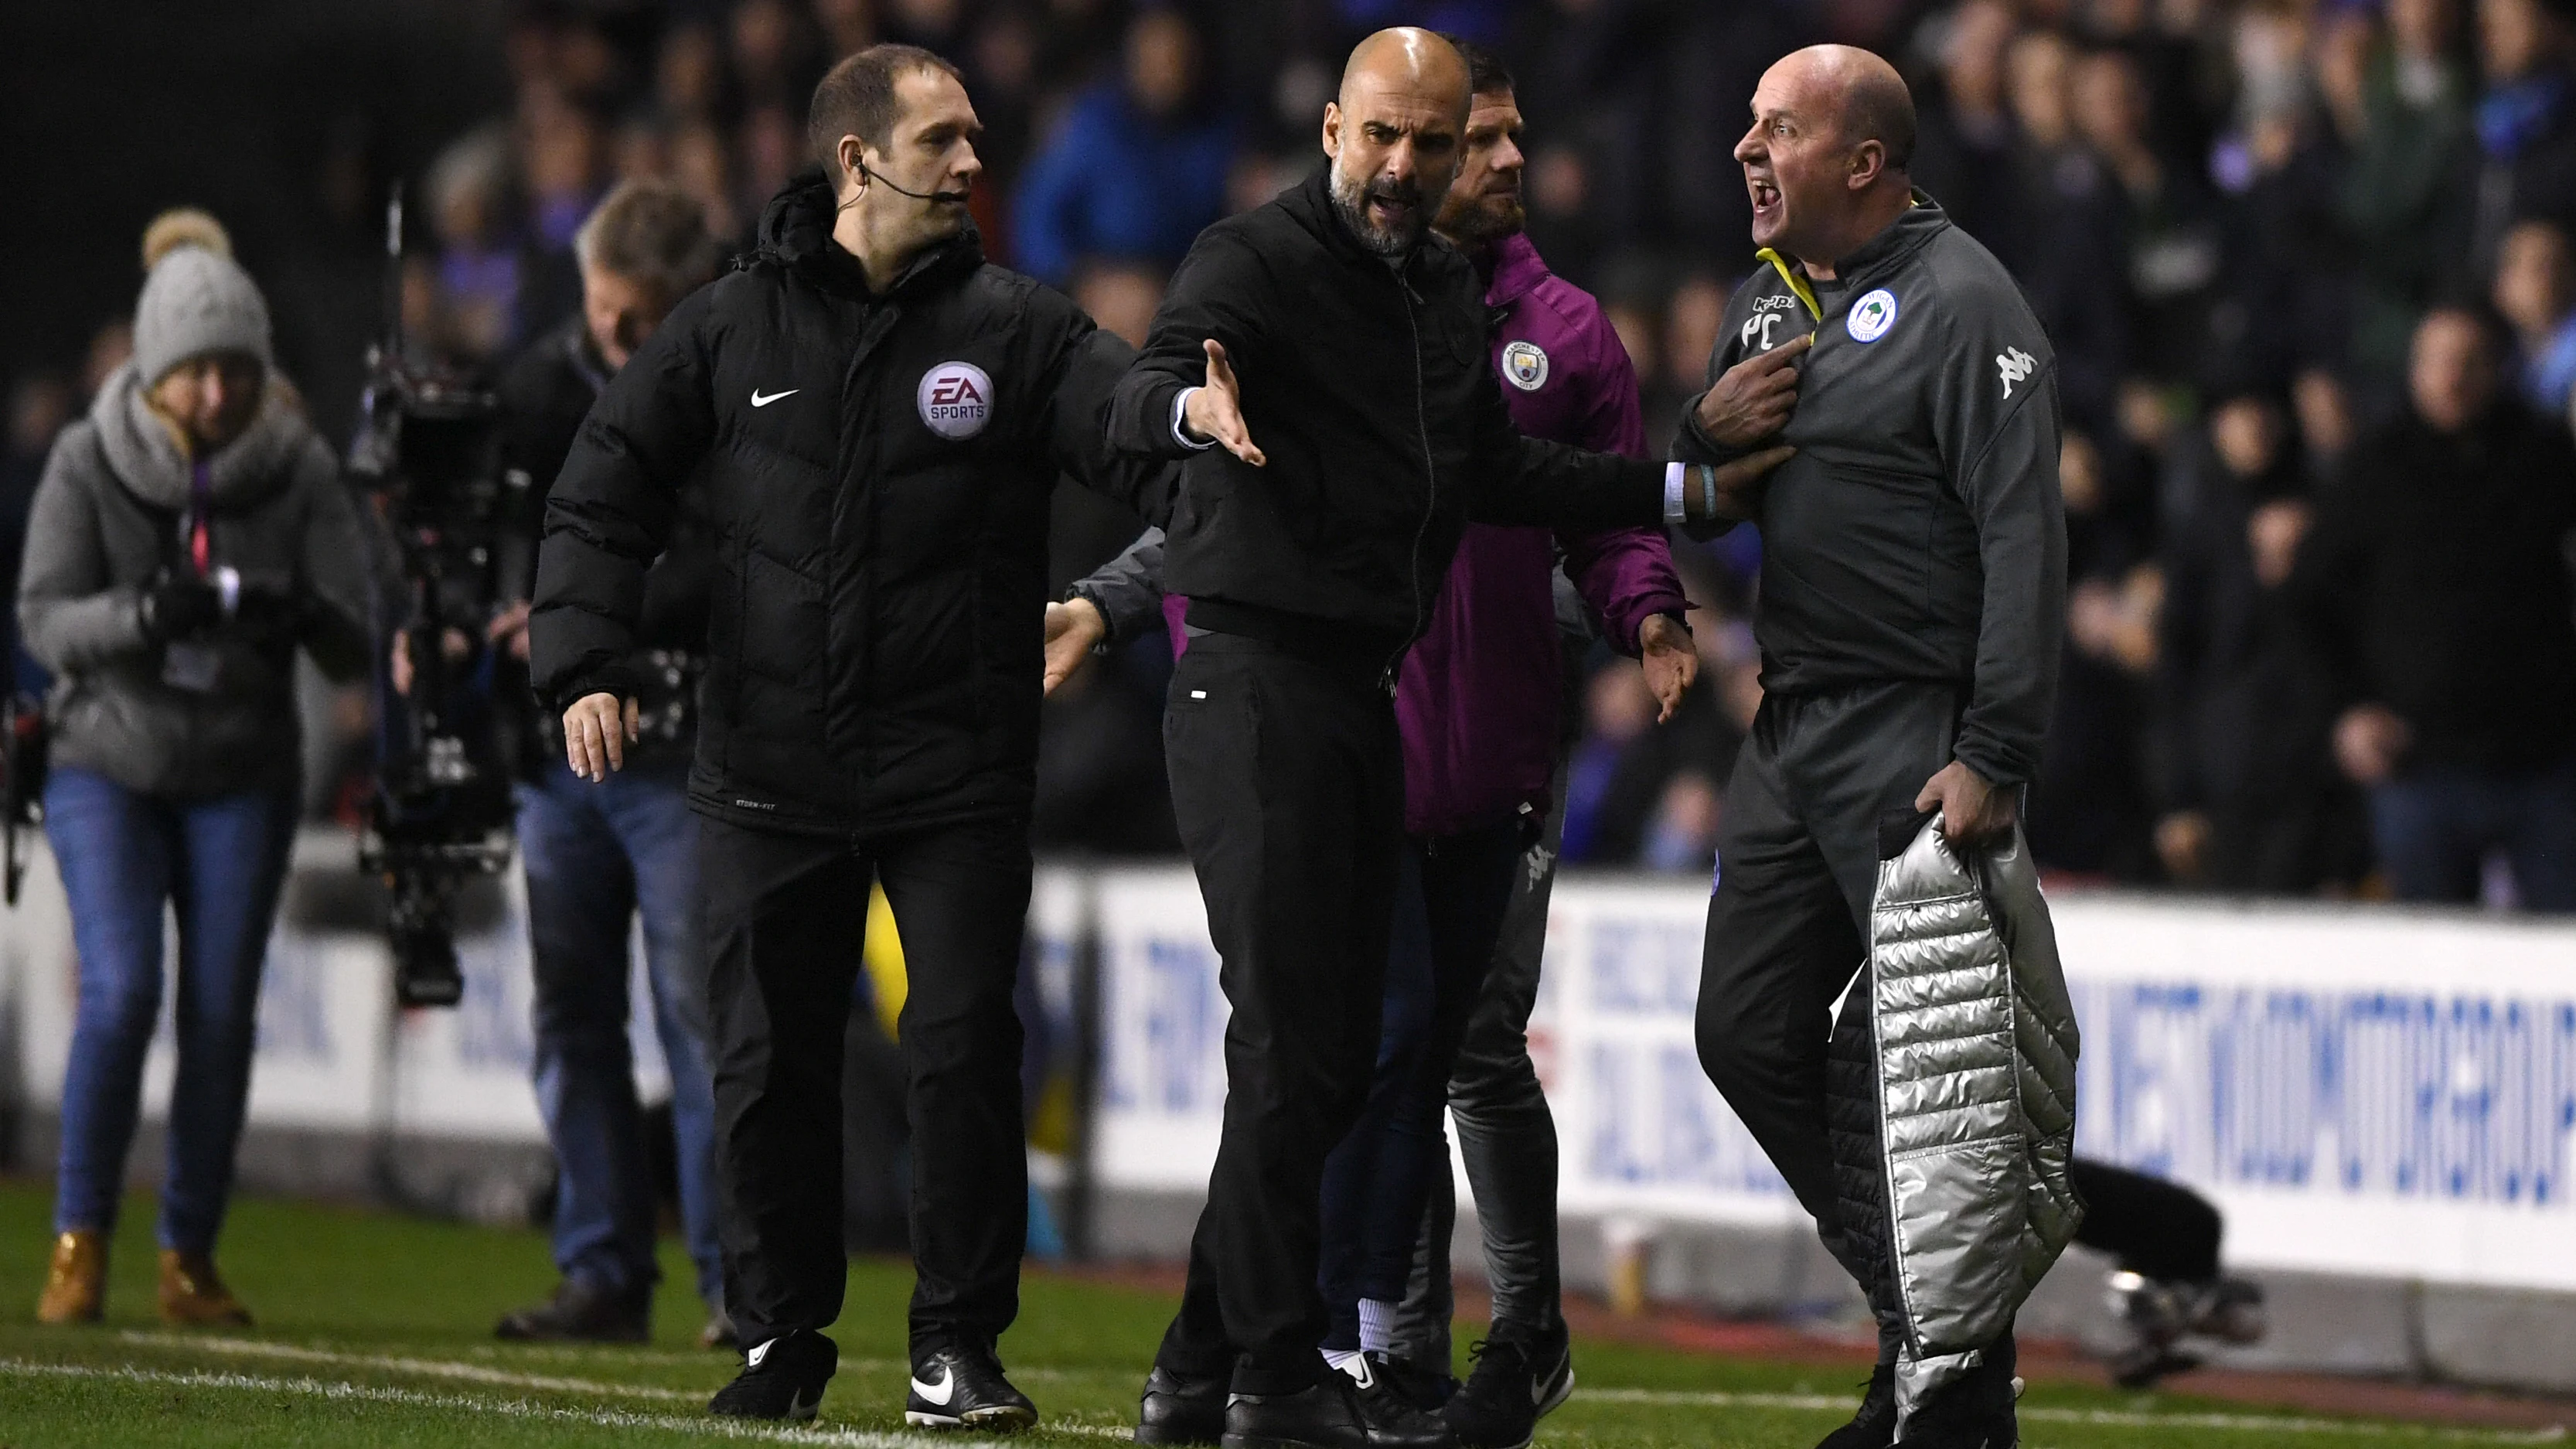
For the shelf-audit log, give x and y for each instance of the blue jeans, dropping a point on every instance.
(595, 856)
(2434, 828)
(124, 856)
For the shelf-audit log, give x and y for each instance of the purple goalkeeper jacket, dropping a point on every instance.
(1481, 696)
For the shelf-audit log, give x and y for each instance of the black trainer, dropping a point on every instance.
(1874, 1427)
(1323, 1415)
(1423, 1387)
(781, 1378)
(1514, 1383)
(1178, 1411)
(1975, 1412)
(963, 1388)
(1393, 1420)
(582, 1313)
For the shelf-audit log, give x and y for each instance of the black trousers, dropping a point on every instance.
(1817, 781)
(2155, 1228)
(1287, 784)
(1451, 893)
(785, 918)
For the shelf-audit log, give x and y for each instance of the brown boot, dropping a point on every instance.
(76, 1281)
(193, 1294)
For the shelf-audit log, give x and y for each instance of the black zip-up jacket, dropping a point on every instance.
(1367, 386)
(877, 472)
(1918, 534)
(546, 392)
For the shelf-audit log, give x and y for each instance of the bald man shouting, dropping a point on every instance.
(1322, 364)
(1913, 593)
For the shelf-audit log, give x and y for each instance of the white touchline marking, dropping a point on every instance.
(412, 1398)
(473, 1373)
(2104, 1418)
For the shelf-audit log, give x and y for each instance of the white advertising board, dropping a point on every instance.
(2365, 1090)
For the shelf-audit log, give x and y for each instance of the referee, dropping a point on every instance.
(1322, 363)
(882, 416)
(1913, 598)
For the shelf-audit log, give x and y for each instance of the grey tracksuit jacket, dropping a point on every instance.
(1918, 533)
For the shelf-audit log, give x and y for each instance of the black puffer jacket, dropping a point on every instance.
(877, 470)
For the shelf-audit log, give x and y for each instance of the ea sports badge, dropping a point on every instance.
(956, 400)
(1871, 316)
(1525, 365)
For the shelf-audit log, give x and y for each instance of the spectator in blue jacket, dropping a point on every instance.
(1136, 168)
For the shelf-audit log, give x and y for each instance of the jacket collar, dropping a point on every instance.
(1517, 269)
(1899, 239)
(796, 233)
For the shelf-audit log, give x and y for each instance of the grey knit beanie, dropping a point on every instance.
(196, 300)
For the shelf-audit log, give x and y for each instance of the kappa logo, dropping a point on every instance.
(1525, 366)
(955, 400)
(2016, 366)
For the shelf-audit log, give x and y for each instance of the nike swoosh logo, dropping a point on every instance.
(800, 1407)
(752, 1359)
(761, 400)
(941, 1395)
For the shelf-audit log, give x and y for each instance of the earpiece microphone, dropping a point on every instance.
(956, 198)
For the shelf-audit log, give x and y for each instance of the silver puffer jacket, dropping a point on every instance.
(1974, 1039)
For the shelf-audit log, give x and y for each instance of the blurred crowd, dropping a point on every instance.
(2305, 263)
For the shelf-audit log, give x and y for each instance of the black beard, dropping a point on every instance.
(1352, 201)
(1481, 224)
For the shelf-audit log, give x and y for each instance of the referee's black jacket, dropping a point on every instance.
(1368, 387)
(1918, 534)
(876, 471)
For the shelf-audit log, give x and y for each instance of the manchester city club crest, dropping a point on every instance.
(1871, 316)
(1525, 365)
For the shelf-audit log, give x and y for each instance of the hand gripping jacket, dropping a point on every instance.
(1974, 1043)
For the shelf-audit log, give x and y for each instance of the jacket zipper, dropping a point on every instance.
(1431, 490)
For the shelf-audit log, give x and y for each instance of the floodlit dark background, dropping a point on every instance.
(2230, 214)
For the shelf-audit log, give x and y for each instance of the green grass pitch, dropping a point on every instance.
(375, 1331)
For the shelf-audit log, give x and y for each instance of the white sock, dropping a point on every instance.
(1377, 1325)
(1345, 1361)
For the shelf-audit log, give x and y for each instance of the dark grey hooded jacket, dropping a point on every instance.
(107, 519)
(1918, 534)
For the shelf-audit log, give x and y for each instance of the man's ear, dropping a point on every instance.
(1868, 162)
(1333, 129)
(851, 153)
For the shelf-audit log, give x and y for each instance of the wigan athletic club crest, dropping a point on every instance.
(1525, 365)
(956, 400)
(1871, 316)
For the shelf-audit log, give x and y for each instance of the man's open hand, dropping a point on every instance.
(1664, 648)
(597, 730)
(1215, 412)
(1753, 399)
(1973, 813)
(1073, 628)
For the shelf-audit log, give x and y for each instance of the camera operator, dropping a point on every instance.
(189, 534)
(595, 858)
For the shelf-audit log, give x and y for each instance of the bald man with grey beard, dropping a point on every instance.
(1322, 365)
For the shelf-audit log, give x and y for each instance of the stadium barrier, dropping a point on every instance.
(2383, 1100)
